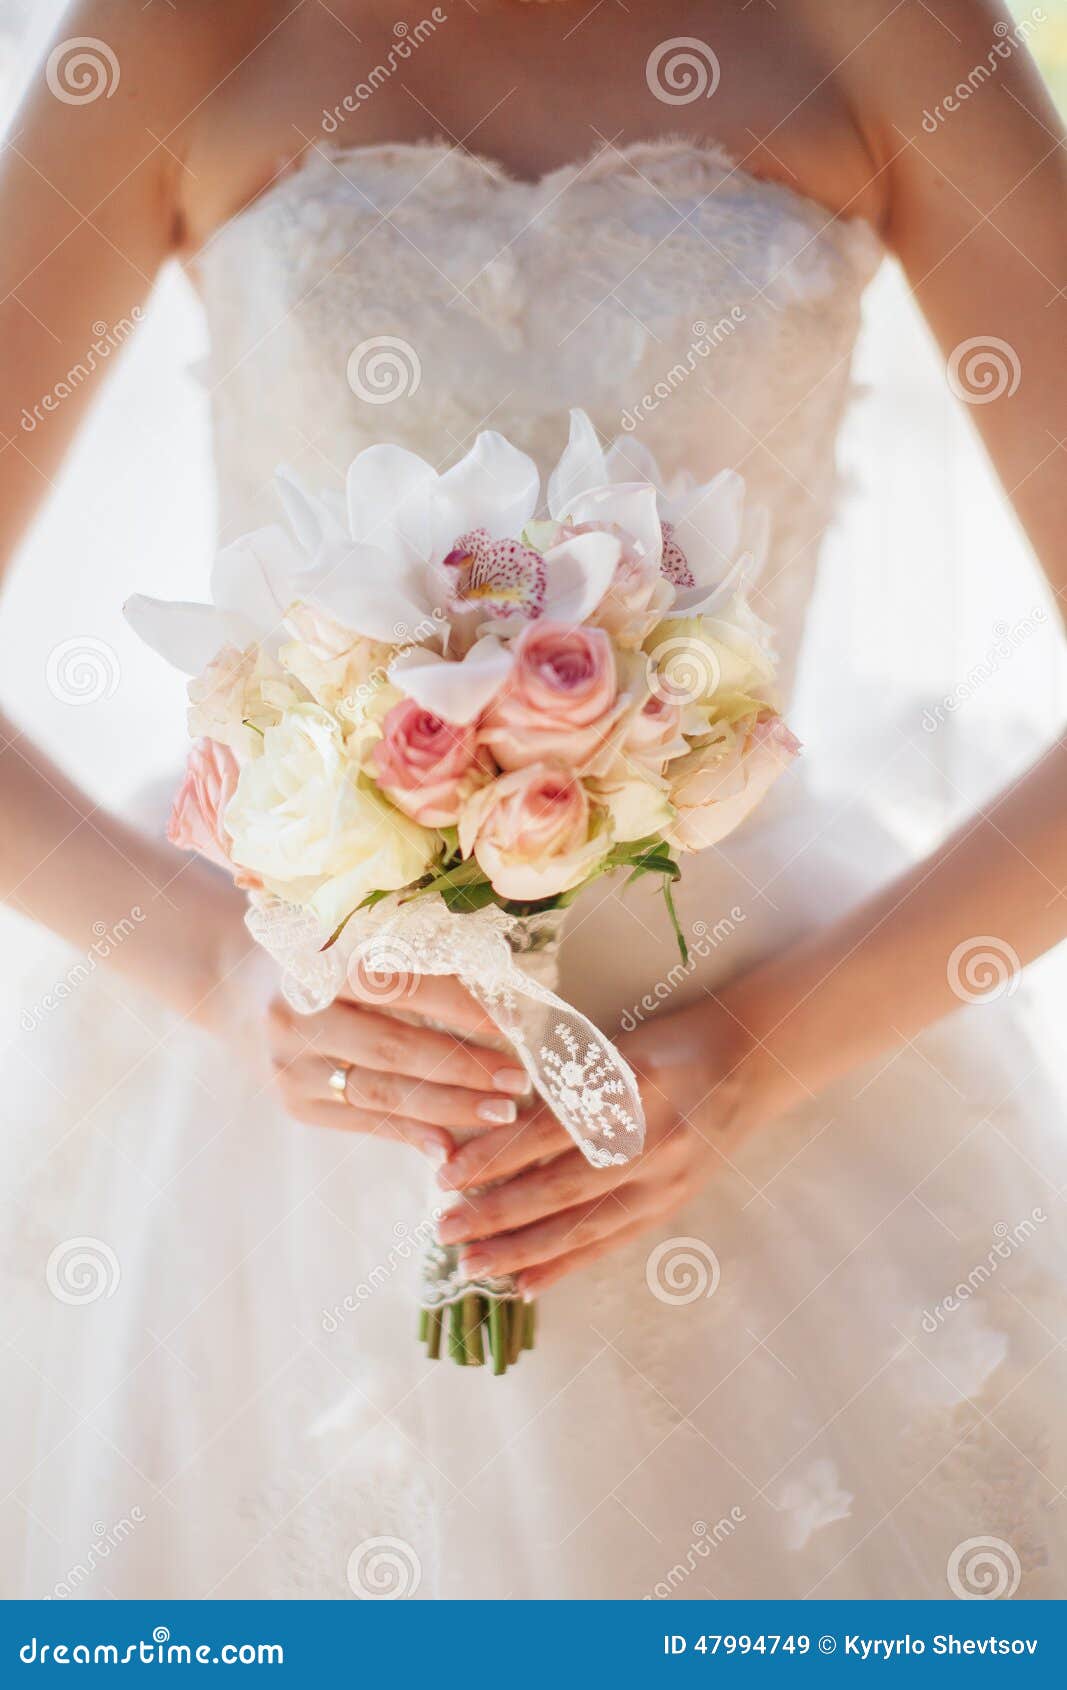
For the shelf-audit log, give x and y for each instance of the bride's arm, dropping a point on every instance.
(976, 200)
(88, 209)
(977, 214)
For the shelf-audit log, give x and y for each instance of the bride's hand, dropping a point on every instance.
(427, 1088)
(554, 1212)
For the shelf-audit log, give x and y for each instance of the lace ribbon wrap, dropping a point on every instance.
(578, 1072)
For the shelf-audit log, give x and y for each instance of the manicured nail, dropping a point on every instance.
(515, 1080)
(445, 1180)
(473, 1262)
(500, 1111)
(435, 1153)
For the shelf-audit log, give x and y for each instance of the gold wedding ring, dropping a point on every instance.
(337, 1083)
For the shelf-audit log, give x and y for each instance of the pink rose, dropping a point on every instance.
(426, 766)
(654, 733)
(714, 790)
(529, 831)
(559, 701)
(200, 804)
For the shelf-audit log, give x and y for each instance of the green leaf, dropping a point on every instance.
(668, 899)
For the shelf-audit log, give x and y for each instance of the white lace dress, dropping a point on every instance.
(877, 1379)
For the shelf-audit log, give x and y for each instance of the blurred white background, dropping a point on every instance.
(922, 577)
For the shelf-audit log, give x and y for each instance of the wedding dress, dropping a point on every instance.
(840, 1371)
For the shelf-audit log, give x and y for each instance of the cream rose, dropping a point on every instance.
(530, 831)
(714, 789)
(302, 820)
(236, 689)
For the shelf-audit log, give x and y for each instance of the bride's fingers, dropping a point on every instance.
(498, 1155)
(425, 1100)
(306, 1105)
(579, 1228)
(535, 1280)
(561, 1184)
(439, 996)
(347, 1033)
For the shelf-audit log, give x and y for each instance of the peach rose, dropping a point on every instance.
(530, 831)
(426, 766)
(560, 700)
(713, 790)
(654, 733)
(200, 803)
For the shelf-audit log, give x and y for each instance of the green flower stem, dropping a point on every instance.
(457, 1348)
(424, 1325)
(529, 1325)
(435, 1321)
(498, 1342)
(516, 1326)
(472, 1329)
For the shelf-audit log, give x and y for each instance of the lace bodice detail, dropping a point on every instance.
(416, 294)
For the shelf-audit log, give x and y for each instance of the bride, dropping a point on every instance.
(811, 1343)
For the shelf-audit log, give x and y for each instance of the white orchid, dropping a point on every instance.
(698, 533)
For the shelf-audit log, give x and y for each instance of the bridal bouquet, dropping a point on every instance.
(426, 713)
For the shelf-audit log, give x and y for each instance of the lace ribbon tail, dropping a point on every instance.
(583, 1078)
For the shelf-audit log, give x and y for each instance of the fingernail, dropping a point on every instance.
(435, 1153)
(445, 1180)
(498, 1110)
(474, 1262)
(515, 1080)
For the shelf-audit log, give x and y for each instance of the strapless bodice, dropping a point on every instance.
(417, 294)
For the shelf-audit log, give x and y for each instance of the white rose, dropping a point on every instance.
(314, 833)
(709, 659)
(638, 807)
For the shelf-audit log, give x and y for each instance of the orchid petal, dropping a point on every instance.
(454, 692)
(581, 467)
(580, 571)
(367, 591)
(628, 459)
(186, 635)
(631, 506)
(390, 502)
(254, 576)
(495, 487)
(707, 525)
(312, 519)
